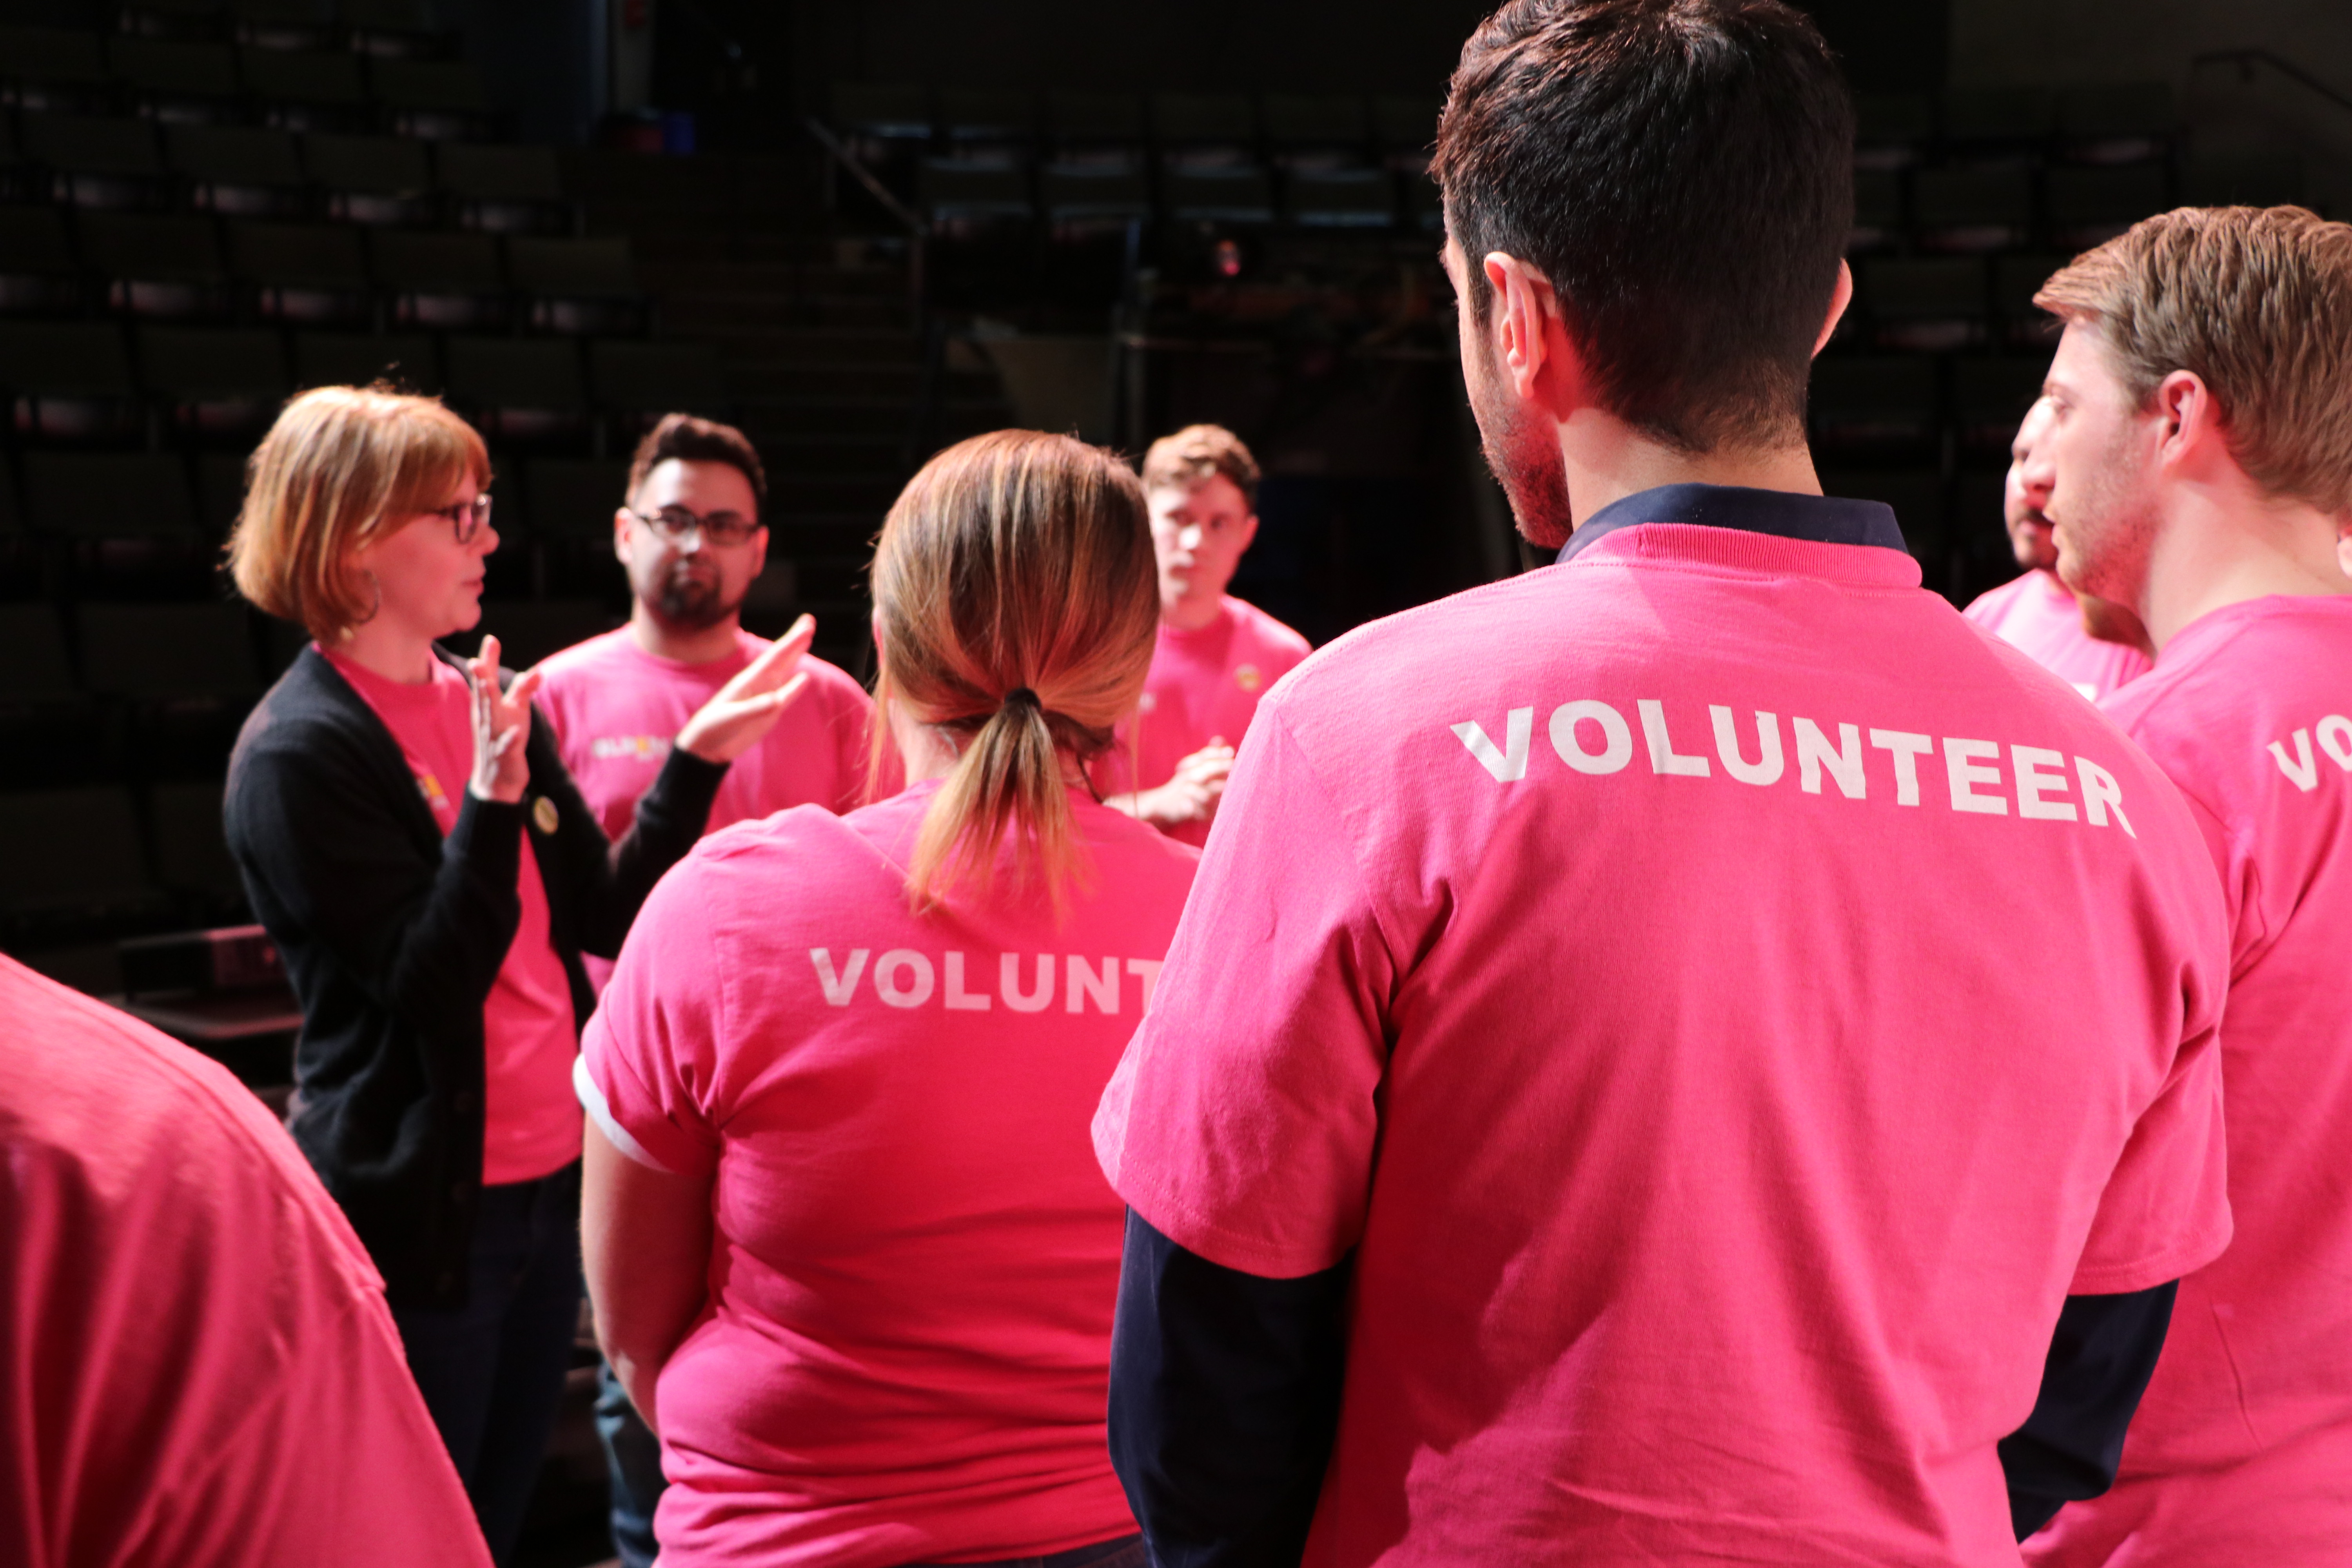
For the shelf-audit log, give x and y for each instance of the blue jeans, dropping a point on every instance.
(492, 1371)
(633, 1457)
(1127, 1551)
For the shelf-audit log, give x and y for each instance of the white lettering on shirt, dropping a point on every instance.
(2041, 772)
(1905, 749)
(2303, 772)
(1008, 982)
(1961, 771)
(1972, 768)
(1813, 754)
(647, 748)
(1662, 759)
(1616, 739)
(838, 988)
(959, 1000)
(1767, 767)
(1509, 765)
(1084, 983)
(2100, 794)
(1148, 971)
(891, 965)
(2336, 739)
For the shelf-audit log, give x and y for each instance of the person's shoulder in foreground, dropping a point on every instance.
(200, 1366)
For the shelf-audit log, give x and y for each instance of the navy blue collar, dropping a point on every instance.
(1826, 520)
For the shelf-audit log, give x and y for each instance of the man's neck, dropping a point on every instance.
(699, 644)
(1605, 460)
(1192, 612)
(2222, 544)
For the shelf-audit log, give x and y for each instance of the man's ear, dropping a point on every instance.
(623, 521)
(1249, 533)
(1840, 298)
(2190, 416)
(759, 549)
(1523, 324)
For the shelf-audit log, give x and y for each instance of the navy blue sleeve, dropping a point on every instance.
(1225, 1395)
(2100, 1361)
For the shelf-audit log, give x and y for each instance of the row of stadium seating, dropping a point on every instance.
(248, 171)
(184, 267)
(225, 84)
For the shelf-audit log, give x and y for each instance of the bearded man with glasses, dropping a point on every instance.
(690, 535)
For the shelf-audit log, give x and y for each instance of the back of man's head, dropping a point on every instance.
(2257, 303)
(1681, 173)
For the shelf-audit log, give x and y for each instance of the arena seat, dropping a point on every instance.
(953, 193)
(1099, 128)
(2015, 280)
(55, 68)
(1218, 195)
(577, 287)
(642, 380)
(2118, 123)
(1340, 198)
(435, 100)
(1971, 209)
(280, 25)
(2252, 179)
(392, 30)
(237, 170)
(440, 281)
(84, 496)
(214, 385)
(987, 121)
(1924, 304)
(528, 390)
(2095, 203)
(371, 179)
(1197, 128)
(504, 190)
(192, 858)
(356, 359)
(34, 666)
(305, 89)
(165, 652)
(73, 858)
(1892, 129)
(178, 81)
(1321, 130)
(163, 266)
(303, 274)
(97, 161)
(37, 275)
(1989, 397)
(1878, 223)
(70, 381)
(1996, 123)
(1080, 196)
(1404, 129)
(220, 491)
(572, 499)
(1884, 410)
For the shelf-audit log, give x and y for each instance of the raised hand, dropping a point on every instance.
(1192, 796)
(501, 728)
(741, 713)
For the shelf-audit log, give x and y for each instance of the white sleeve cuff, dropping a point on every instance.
(600, 1113)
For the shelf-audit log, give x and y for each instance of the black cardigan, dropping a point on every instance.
(393, 937)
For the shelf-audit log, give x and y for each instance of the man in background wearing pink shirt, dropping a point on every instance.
(2089, 644)
(2198, 466)
(690, 536)
(196, 1363)
(1696, 1054)
(1216, 655)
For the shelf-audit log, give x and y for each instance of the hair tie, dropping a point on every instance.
(1020, 695)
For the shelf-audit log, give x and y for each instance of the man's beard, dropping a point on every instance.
(691, 604)
(2104, 536)
(1524, 452)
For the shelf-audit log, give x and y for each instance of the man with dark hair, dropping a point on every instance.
(690, 535)
(1614, 1097)
(2198, 466)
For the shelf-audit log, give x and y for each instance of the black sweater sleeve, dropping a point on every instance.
(605, 882)
(325, 838)
(1225, 1396)
(2101, 1359)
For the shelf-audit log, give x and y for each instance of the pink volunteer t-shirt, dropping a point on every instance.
(198, 1365)
(906, 1357)
(531, 1122)
(1203, 684)
(2241, 1451)
(2036, 614)
(616, 708)
(1724, 1002)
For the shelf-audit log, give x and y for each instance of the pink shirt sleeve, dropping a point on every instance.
(648, 1058)
(2166, 1209)
(1240, 1122)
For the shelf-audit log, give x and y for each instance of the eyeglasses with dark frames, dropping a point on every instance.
(675, 522)
(467, 517)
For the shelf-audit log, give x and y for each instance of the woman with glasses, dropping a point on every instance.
(849, 1248)
(431, 877)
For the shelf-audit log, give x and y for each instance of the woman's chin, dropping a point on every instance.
(467, 617)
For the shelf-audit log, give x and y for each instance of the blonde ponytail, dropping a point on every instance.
(1014, 586)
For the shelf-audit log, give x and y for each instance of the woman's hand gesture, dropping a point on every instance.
(741, 713)
(501, 728)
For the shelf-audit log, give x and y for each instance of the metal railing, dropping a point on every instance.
(2247, 59)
